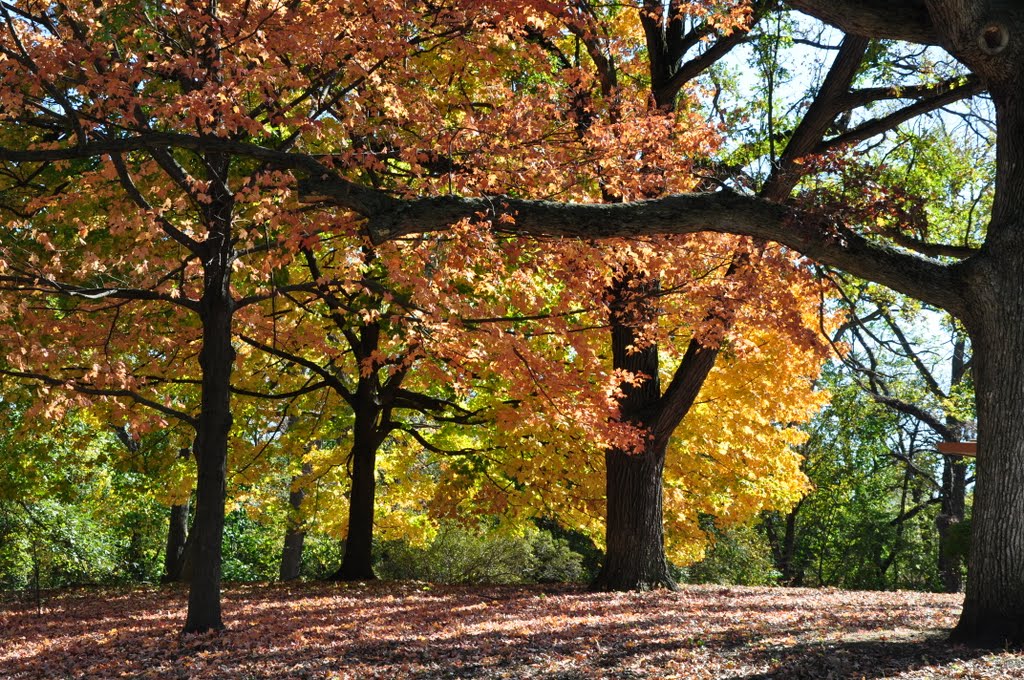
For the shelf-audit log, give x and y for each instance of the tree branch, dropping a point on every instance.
(904, 20)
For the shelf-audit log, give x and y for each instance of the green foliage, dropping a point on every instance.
(72, 544)
(577, 542)
(960, 540)
(252, 550)
(739, 556)
(321, 555)
(869, 523)
(462, 555)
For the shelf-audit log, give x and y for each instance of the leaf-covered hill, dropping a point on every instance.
(406, 630)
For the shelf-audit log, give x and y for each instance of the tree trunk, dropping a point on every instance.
(954, 503)
(635, 557)
(215, 358)
(784, 547)
(994, 604)
(954, 486)
(291, 556)
(295, 536)
(993, 611)
(357, 564)
(177, 537)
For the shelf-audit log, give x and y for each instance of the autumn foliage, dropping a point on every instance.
(161, 272)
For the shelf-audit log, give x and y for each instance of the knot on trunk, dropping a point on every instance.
(993, 38)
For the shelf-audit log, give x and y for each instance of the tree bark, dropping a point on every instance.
(635, 557)
(215, 359)
(357, 564)
(993, 612)
(954, 503)
(295, 535)
(177, 538)
(635, 552)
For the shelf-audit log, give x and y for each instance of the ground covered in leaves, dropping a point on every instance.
(410, 630)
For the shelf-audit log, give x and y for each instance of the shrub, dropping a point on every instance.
(740, 555)
(463, 555)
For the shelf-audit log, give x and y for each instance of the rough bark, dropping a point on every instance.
(993, 611)
(295, 534)
(635, 552)
(635, 557)
(906, 20)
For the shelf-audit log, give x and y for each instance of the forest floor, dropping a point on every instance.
(415, 630)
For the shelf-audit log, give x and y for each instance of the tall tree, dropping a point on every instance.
(981, 288)
(137, 235)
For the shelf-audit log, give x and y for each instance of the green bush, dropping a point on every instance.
(462, 555)
(739, 556)
(252, 551)
(321, 555)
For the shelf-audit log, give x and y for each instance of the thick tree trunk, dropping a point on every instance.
(215, 359)
(295, 535)
(635, 557)
(993, 611)
(357, 564)
(994, 604)
(177, 537)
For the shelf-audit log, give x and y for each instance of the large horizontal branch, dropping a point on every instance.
(389, 217)
(813, 235)
(903, 20)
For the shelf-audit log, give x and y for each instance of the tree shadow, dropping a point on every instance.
(869, 658)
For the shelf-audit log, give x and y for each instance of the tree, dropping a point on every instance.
(909, 376)
(142, 236)
(980, 289)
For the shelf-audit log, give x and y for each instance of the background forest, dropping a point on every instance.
(452, 408)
